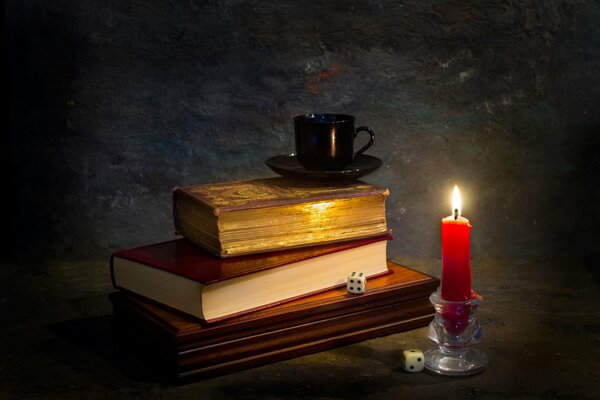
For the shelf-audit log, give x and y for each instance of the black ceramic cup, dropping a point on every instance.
(325, 142)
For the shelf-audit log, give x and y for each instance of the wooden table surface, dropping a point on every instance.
(540, 319)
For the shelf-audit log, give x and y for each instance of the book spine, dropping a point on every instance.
(186, 192)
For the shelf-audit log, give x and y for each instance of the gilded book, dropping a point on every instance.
(236, 218)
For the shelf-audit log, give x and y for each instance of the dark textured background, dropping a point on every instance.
(114, 103)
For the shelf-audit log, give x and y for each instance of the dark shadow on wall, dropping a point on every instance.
(7, 202)
(580, 212)
(116, 103)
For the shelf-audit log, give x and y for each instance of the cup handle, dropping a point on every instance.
(366, 146)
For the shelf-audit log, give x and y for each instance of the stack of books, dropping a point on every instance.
(260, 276)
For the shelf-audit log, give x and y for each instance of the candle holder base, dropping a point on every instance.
(455, 330)
(470, 362)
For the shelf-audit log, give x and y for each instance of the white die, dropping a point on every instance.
(413, 360)
(356, 283)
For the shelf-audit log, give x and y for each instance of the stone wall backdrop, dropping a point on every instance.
(116, 102)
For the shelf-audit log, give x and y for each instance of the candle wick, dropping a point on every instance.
(456, 213)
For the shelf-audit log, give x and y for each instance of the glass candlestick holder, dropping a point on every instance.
(455, 330)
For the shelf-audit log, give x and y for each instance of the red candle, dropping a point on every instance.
(456, 254)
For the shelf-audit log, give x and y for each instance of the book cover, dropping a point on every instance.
(272, 192)
(183, 258)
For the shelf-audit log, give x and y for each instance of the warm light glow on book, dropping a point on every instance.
(318, 207)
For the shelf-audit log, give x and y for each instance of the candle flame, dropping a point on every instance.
(456, 203)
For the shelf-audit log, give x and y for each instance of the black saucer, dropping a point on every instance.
(287, 165)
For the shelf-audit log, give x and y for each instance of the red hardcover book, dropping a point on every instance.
(187, 278)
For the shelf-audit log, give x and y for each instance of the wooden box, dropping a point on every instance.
(189, 349)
